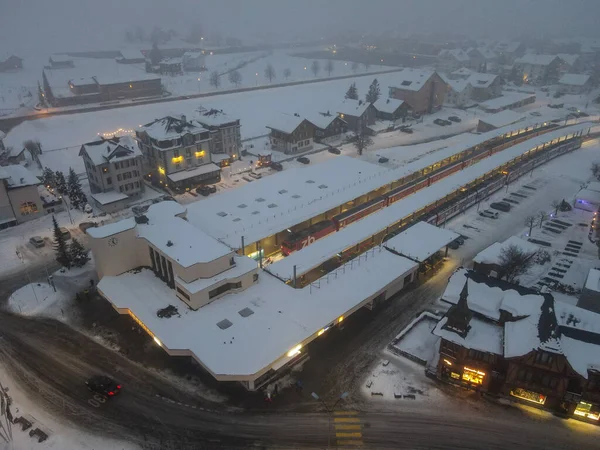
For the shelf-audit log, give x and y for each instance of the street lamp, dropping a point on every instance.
(329, 411)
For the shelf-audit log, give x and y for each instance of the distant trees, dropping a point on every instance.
(155, 54)
(514, 262)
(556, 205)
(235, 77)
(269, 72)
(352, 92)
(33, 147)
(329, 67)
(367, 66)
(315, 67)
(354, 67)
(374, 92)
(214, 79)
(61, 251)
(41, 96)
(48, 178)
(60, 182)
(287, 73)
(542, 217)
(360, 140)
(596, 170)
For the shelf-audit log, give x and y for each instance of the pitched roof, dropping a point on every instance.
(574, 79)
(212, 117)
(568, 58)
(102, 151)
(412, 79)
(456, 53)
(352, 107)
(18, 176)
(458, 85)
(482, 80)
(321, 120)
(286, 123)
(536, 60)
(388, 105)
(170, 127)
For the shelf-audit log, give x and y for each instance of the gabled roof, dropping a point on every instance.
(321, 120)
(458, 85)
(286, 123)
(574, 79)
(412, 79)
(17, 176)
(114, 149)
(61, 58)
(351, 107)
(536, 60)
(482, 80)
(568, 58)
(6, 56)
(170, 127)
(388, 105)
(456, 53)
(486, 52)
(212, 117)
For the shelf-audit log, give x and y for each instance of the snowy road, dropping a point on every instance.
(51, 360)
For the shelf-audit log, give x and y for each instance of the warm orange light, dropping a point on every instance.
(161, 171)
(200, 154)
(448, 362)
(177, 159)
(340, 319)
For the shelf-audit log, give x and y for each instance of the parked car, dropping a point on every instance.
(85, 225)
(440, 122)
(37, 241)
(65, 233)
(573, 109)
(501, 206)
(454, 245)
(383, 160)
(303, 160)
(406, 129)
(556, 121)
(583, 114)
(489, 214)
(276, 166)
(536, 113)
(455, 119)
(335, 151)
(212, 188)
(88, 208)
(103, 385)
(203, 190)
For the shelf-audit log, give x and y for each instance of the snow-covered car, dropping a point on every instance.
(88, 208)
(454, 119)
(536, 113)
(37, 241)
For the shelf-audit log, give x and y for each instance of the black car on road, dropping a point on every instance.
(103, 385)
(454, 119)
(303, 160)
(335, 151)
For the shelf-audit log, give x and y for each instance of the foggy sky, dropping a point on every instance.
(63, 25)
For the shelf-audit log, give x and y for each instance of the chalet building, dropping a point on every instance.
(539, 69)
(423, 90)
(449, 60)
(391, 109)
(459, 93)
(328, 127)
(485, 86)
(508, 51)
(114, 171)
(19, 196)
(573, 63)
(357, 114)
(177, 153)
(225, 131)
(171, 66)
(131, 57)
(10, 62)
(193, 62)
(572, 83)
(481, 58)
(291, 134)
(508, 340)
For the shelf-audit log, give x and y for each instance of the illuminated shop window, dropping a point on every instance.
(585, 410)
(529, 396)
(473, 376)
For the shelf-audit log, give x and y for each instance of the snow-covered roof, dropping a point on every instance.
(350, 107)
(170, 61)
(482, 80)
(286, 123)
(282, 317)
(243, 265)
(503, 118)
(536, 60)
(594, 186)
(588, 196)
(592, 281)
(458, 85)
(112, 228)
(194, 172)
(568, 58)
(412, 79)
(505, 101)
(106, 198)
(83, 81)
(507, 47)
(321, 121)
(102, 151)
(456, 53)
(483, 335)
(486, 52)
(18, 176)
(491, 254)
(170, 127)
(191, 54)
(212, 117)
(388, 105)
(421, 241)
(61, 58)
(574, 79)
(131, 54)
(2, 135)
(463, 71)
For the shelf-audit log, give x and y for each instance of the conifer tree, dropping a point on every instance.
(77, 254)
(374, 92)
(60, 246)
(352, 92)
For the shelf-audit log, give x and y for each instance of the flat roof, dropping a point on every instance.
(491, 254)
(106, 198)
(589, 196)
(503, 118)
(346, 178)
(593, 280)
(505, 101)
(421, 241)
(574, 79)
(282, 317)
(200, 170)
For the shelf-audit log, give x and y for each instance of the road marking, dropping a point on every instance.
(340, 434)
(346, 420)
(344, 426)
(348, 428)
(344, 443)
(345, 413)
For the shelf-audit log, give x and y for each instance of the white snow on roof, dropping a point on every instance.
(321, 121)
(505, 101)
(61, 58)
(102, 151)
(588, 196)
(286, 123)
(112, 228)
(592, 282)
(486, 52)
(582, 356)
(491, 254)
(594, 186)
(388, 105)
(463, 71)
(213, 117)
(412, 79)
(18, 176)
(457, 53)
(106, 198)
(2, 135)
(200, 170)
(483, 335)
(351, 107)
(522, 336)
(503, 118)
(481, 80)
(574, 79)
(83, 81)
(243, 265)
(421, 241)
(283, 317)
(458, 85)
(170, 127)
(536, 60)
(131, 54)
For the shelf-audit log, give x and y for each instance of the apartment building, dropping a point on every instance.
(177, 153)
(423, 90)
(291, 134)
(19, 197)
(225, 131)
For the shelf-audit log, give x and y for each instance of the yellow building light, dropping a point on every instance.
(200, 154)
(131, 86)
(340, 319)
(529, 396)
(177, 159)
(157, 341)
(448, 362)
(473, 376)
(293, 352)
(321, 332)
(341, 116)
(161, 170)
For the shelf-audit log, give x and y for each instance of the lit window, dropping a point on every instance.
(473, 376)
(28, 208)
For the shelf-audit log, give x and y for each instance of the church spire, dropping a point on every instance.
(459, 315)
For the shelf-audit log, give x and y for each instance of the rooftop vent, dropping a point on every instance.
(271, 205)
(296, 196)
(141, 219)
(237, 219)
(169, 243)
(310, 181)
(283, 191)
(222, 214)
(246, 312)
(243, 205)
(322, 186)
(224, 324)
(260, 199)
(255, 212)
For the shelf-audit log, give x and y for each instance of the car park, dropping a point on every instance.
(303, 160)
(276, 166)
(334, 150)
(455, 119)
(37, 241)
(103, 385)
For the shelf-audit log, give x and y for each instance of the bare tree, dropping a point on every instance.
(360, 140)
(235, 77)
(542, 217)
(514, 262)
(270, 72)
(367, 66)
(33, 147)
(287, 73)
(354, 67)
(530, 221)
(596, 170)
(315, 67)
(214, 79)
(329, 67)
(555, 204)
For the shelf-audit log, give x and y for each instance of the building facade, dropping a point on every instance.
(225, 131)
(291, 134)
(19, 197)
(423, 90)
(357, 114)
(11, 62)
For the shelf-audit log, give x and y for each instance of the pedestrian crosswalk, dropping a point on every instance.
(348, 429)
